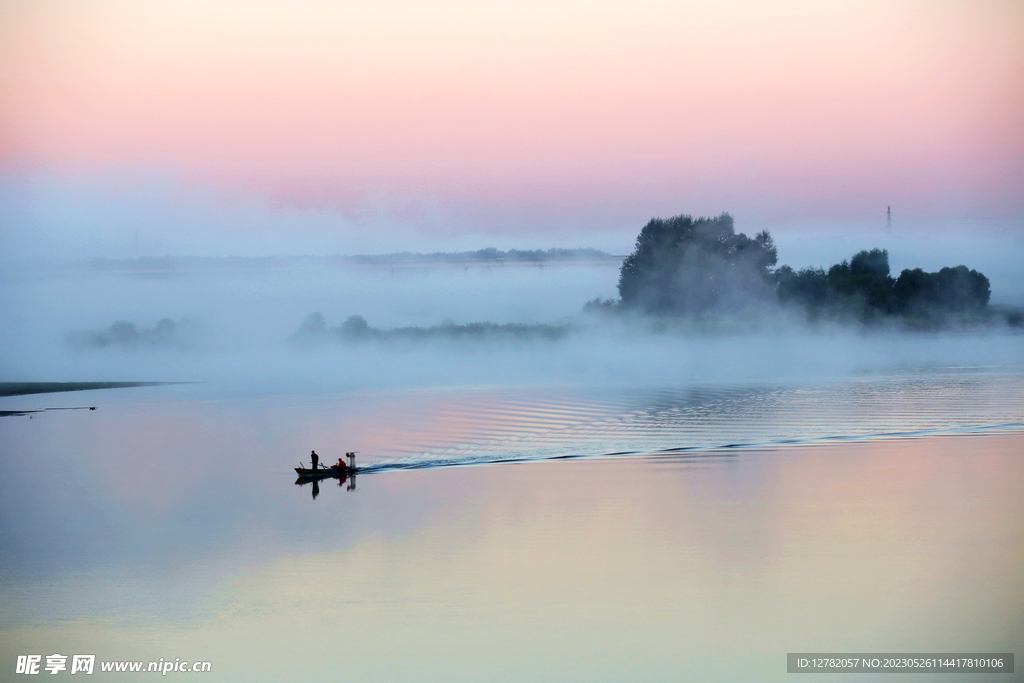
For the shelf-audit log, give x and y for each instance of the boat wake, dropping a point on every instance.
(680, 452)
(480, 425)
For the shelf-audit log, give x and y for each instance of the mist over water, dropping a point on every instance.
(235, 324)
(508, 482)
(610, 385)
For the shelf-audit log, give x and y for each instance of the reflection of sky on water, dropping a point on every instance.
(190, 456)
(598, 570)
(169, 525)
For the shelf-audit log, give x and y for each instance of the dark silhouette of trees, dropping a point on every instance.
(862, 287)
(808, 286)
(863, 283)
(125, 334)
(313, 325)
(687, 266)
(683, 265)
(950, 289)
(355, 329)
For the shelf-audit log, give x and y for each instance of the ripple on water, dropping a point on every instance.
(480, 425)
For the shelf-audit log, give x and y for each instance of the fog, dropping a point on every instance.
(66, 320)
(66, 216)
(235, 327)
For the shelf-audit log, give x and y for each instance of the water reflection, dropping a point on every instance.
(700, 564)
(442, 426)
(347, 482)
(632, 569)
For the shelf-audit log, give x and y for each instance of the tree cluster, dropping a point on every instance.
(863, 287)
(683, 266)
(488, 255)
(355, 329)
(125, 334)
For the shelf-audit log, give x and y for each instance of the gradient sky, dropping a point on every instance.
(532, 116)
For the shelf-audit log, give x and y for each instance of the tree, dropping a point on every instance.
(961, 289)
(686, 266)
(355, 327)
(915, 291)
(864, 281)
(808, 286)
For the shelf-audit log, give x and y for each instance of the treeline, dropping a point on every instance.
(127, 335)
(355, 329)
(686, 267)
(489, 255)
(863, 286)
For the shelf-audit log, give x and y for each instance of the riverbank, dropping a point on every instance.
(26, 388)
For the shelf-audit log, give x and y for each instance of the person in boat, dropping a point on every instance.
(315, 458)
(341, 464)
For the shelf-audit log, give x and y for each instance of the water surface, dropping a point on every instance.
(584, 532)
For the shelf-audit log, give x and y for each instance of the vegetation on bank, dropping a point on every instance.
(25, 388)
(700, 268)
(682, 266)
(863, 287)
(355, 329)
(488, 256)
(166, 334)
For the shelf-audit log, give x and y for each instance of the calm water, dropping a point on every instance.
(606, 532)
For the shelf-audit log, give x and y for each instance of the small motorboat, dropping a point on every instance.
(339, 469)
(333, 471)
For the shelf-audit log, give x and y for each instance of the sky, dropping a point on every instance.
(323, 127)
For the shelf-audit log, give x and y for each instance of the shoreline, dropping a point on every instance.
(27, 388)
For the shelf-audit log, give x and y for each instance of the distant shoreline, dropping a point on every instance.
(25, 388)
(483, 257)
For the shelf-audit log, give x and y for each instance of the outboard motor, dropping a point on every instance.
(351, 460)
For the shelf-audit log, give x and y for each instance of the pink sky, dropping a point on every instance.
(797, 110)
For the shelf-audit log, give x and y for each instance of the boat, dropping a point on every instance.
(321, 472)
(341, 469)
